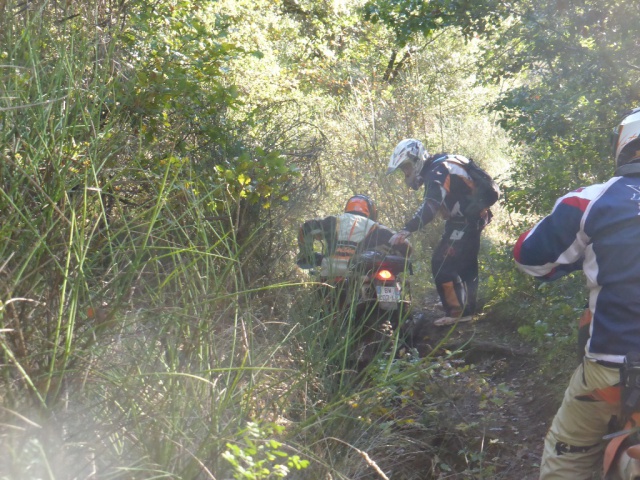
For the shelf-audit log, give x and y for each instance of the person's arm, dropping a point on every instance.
(425, 214)
(435, 191)
(434, 196)
(556, 245)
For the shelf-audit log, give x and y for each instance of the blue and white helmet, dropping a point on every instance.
(411, 151)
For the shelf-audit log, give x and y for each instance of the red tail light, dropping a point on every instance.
(385, 275)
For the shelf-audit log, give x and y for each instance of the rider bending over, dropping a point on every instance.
(344, 235)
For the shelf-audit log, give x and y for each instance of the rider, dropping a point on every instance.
(344, 235)
(448, 189)
(595, 229)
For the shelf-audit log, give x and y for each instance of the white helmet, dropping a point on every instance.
(626, 139)
(411, 151)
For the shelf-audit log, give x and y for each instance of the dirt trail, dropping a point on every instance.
(503, 397)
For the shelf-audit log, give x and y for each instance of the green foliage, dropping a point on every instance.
(156, 159)
(259, 179)
(408, 18)
(571, 73)
(109, 140)
(260, 457)
(178, 80)
(545, 314)
(577, 80)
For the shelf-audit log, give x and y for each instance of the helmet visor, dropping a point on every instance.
(614, 137)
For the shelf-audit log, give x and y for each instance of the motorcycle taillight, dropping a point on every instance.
(385, 275)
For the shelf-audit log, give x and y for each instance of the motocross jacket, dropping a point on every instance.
(344, 235)
(447, 189)
(595, 229)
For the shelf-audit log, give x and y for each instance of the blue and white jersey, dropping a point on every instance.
(596, 229)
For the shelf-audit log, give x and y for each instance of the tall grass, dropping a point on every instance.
(134, 344)
(125, 346)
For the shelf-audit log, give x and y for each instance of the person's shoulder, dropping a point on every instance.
(593, 189)
(438, 158)
(352, 216)
(581, 197)
(447, 163)
(444, 157)
(437, 163)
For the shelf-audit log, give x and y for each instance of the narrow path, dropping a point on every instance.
(501, 397)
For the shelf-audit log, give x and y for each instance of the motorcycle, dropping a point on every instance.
(371, 301)
(622, 452)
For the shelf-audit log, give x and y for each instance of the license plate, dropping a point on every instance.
(388, 294)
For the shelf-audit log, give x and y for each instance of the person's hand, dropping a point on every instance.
(400, 237)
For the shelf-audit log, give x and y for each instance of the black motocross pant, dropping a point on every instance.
(455, 267)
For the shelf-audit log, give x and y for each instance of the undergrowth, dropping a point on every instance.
(150, 327)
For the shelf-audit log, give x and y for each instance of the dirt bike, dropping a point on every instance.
(622, 453)
(373, 300)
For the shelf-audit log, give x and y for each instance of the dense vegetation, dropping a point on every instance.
(156, 159)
